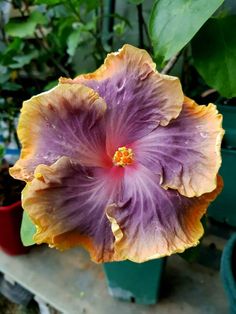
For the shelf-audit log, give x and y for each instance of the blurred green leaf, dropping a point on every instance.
(119, 28)
(48, 2)
(136, 1)
(11, 50)
(91, 4)
(2, 151)
(11, 86)
(227, 8)
(121, 18)
(17, 28)
(214, 53)
(173, 23)
(63, 30)
(14, 46)
(5, 74)
(28, 230)
(73, 41)
(20, 61)
(50, 85)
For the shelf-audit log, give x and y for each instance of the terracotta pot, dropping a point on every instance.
(10, 224)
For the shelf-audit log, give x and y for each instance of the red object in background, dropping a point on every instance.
(10, 224)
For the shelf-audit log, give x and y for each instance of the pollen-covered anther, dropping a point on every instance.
(123, 157)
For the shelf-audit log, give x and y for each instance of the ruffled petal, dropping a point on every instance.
(138, 97)
(186, 153)
(149, 222)
(67, 204)
(61, 122)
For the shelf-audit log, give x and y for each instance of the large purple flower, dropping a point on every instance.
(119, 161)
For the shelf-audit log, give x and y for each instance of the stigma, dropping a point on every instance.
(123, 157)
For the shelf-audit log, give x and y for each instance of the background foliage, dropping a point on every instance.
(41, 40)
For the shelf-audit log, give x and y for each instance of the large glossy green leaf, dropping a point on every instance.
(214, 53)
(28, 229)
(26, 28)
(173, 23)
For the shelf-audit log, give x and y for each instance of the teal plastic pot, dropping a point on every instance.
(223, 209)
(139, 283)
(229, 124)
(228, 272)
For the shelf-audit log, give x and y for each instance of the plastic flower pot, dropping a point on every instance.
(15, 293)
(228, 272)
(223, 208)
(139, 283)
(10, 223)
(229, 124)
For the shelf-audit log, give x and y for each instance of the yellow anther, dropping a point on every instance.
(123, 156)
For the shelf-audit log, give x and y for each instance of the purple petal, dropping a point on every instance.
(67, 203)
(186, 153)
(61, 122)
(137, 96)
(149, 222)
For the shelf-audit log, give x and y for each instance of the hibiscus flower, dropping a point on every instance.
(119, 161)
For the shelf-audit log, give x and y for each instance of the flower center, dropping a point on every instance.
(123, 157)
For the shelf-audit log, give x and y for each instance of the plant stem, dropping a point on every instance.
(147, 35)
(101, 18)
(16, 139)
(140, 25)
(143, 26)
(112, 8)
(171, 63)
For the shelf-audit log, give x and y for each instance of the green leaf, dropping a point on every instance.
(2, 152)
(20, 61)
(73, 41)
(11, 86)
(63, 30)
(5, 75)
(173, 23)
(91, 4)
(11, 50)
(14, 46)
(214, 53)
(28, 229)
(25, 28)
(50, 85)
(136, 1)
(48, 2)
(119, 28)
